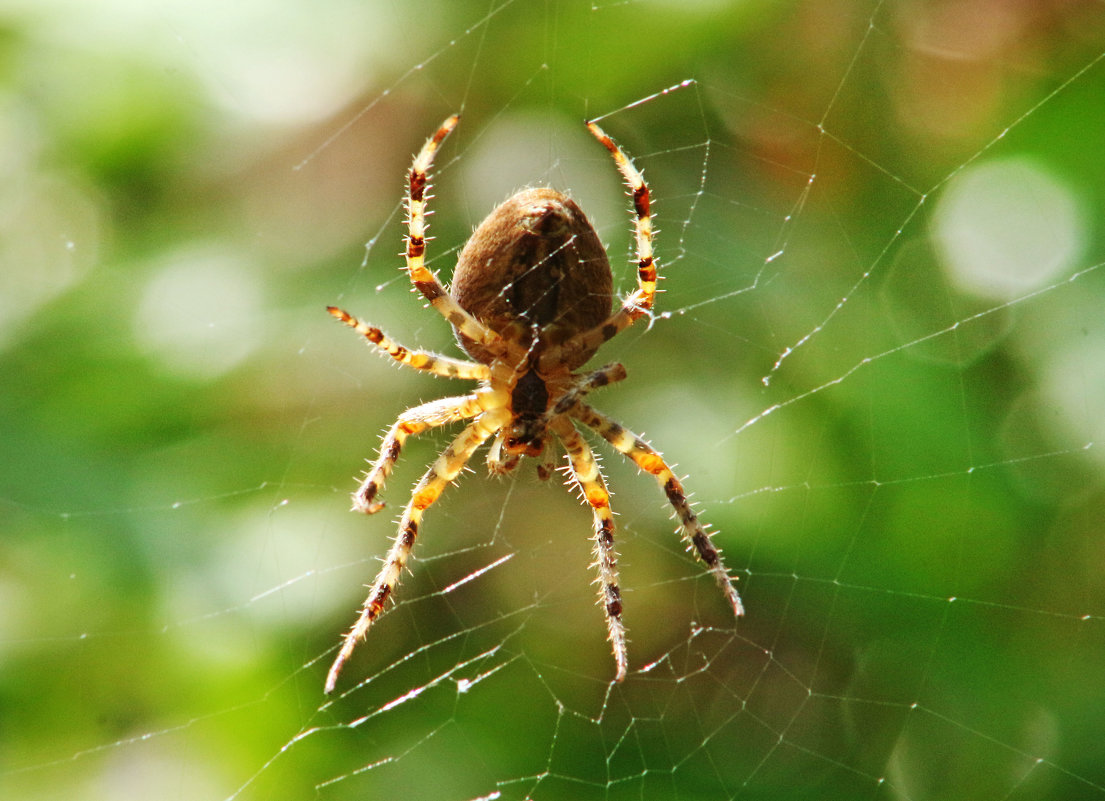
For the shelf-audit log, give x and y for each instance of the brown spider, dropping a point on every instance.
(530, 302)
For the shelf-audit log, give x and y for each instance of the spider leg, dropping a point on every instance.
(585, 470)
(641, 301)
(447, 466)
(607, 374)
(443, 366)
(423, 279)
(646, 458)
(412, 421)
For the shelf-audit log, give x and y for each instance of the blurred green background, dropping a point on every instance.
(881, 361)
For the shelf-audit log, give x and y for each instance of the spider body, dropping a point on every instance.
(535, 273)
(530, 303)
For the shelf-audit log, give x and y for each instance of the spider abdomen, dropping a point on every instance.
(534, 269)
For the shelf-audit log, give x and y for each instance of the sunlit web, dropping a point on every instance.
(877, 357)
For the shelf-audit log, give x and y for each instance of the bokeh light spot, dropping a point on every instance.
(1005, 228)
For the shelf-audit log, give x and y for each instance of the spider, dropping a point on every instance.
(531, 303)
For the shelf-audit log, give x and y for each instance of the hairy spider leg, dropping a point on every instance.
(647, 459)
(641, 301)
(447, 466)
(439, 365)
(412, 421)
(603, 376)
(585, 470)
(423, 279)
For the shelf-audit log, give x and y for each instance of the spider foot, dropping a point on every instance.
(367, 506)
(335, 671)
(364, 497)
(732, 595)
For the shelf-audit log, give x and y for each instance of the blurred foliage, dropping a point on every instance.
(912, 498)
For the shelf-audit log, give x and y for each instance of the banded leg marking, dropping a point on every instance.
(447, 466)
(643, 299)
(422, 277)
(585, 470)
(603, 376)
(649, 460)
(412, 421)
(639, 303)
(443, 366)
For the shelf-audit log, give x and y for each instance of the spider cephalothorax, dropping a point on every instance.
(530, 303)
